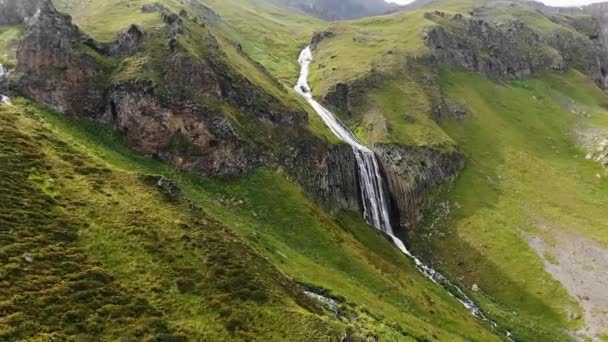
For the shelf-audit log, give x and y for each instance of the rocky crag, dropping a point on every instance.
(513, 49)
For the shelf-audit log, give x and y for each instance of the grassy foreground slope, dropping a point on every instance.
(526, 177)
(188, 271)
(90, 251)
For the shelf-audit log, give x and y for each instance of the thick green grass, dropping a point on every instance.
(361, 47)
(113, 257)
(104, 19)
(270, 35)
(344, 256)
(51, 287)
(399, 111)
(524, 173)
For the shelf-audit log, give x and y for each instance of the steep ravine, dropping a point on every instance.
(373, 188)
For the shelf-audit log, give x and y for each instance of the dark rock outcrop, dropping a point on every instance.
(413, 174)
(600, 13)
(327, 174)
(513, 50)
(206, 13)
(128, 42)
(483, 47)
(341, 98)
(168, 187)
(57, 64)
(188, 137)
(318, 37)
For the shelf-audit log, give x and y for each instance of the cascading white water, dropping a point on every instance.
(373, 188)
(375, 201)
(3, 98)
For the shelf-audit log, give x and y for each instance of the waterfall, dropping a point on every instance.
(3, 98)
(373, 188)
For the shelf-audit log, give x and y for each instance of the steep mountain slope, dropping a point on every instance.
(529, 186)
(200, 279)
(253, 231)
(146, 239)
(84, 241)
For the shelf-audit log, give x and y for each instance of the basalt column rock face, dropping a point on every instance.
(413, 173)
(327, 174)
(56, 64)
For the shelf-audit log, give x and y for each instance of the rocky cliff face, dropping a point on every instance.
(328, 175)
(600, 13)
(513, 50)
(57, 64)
(190, 138)
(413, 174)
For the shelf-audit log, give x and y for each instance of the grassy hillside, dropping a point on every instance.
(196, 275)
(160, 267)
(92, 251)
(526, 177)
(268, 29)
(391, 48)
(270, 35)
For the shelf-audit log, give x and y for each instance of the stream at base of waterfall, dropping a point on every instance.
(374, 193)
